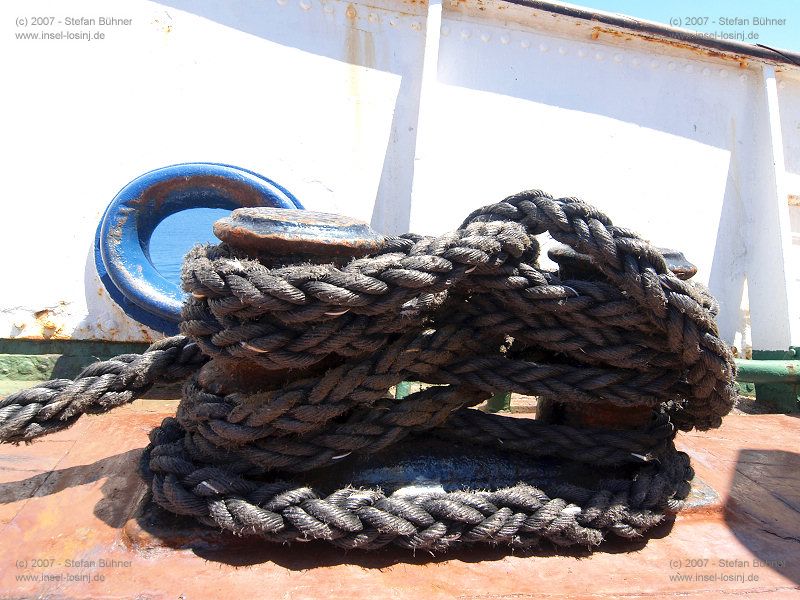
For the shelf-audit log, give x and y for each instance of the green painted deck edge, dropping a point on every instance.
(499, 402)
(784, 396)
(37, 360)
(70, 347)
(9, 386)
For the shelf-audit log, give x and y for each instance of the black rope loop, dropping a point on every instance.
(469, 312)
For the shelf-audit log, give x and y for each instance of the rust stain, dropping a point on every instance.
(154, 196)
(352, 45)
(607, 416)
(113, 332)
(48, 325)
(100, 478)
(360, 52)
(369, 49)
(701, 51)
(359, 43)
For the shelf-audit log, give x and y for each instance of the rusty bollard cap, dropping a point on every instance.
(279, 232)
(678, 263)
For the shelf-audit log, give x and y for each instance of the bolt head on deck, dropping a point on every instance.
(277, 231)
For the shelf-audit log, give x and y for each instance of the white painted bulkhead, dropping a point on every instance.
(405, 115)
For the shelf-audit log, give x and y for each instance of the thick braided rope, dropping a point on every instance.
(57, 404)
(471, 310)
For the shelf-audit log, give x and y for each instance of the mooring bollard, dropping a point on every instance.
(299, 344)
(601, 415)
(269, 235)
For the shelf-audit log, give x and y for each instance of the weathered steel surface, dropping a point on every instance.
(283, 232)
(237, 375)
(76, 496)
(224, 376)
(604, 416)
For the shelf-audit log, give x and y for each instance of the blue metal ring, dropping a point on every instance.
(122, 241)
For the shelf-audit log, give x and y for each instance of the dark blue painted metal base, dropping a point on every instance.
(123, 237)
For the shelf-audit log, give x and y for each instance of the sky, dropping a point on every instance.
(731, 19)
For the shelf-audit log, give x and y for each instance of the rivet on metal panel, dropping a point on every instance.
(618, 58)
(504, 39)
(465, 34)
(562, 51)
(416, 26)
(485, 37)
(525, 44)
(305, 4)
(542, 47)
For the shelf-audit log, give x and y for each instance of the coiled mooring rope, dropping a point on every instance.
(469, 309)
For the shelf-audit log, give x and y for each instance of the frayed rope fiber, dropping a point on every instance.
(471, 311)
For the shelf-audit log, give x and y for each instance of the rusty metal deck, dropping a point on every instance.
(69, 505)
